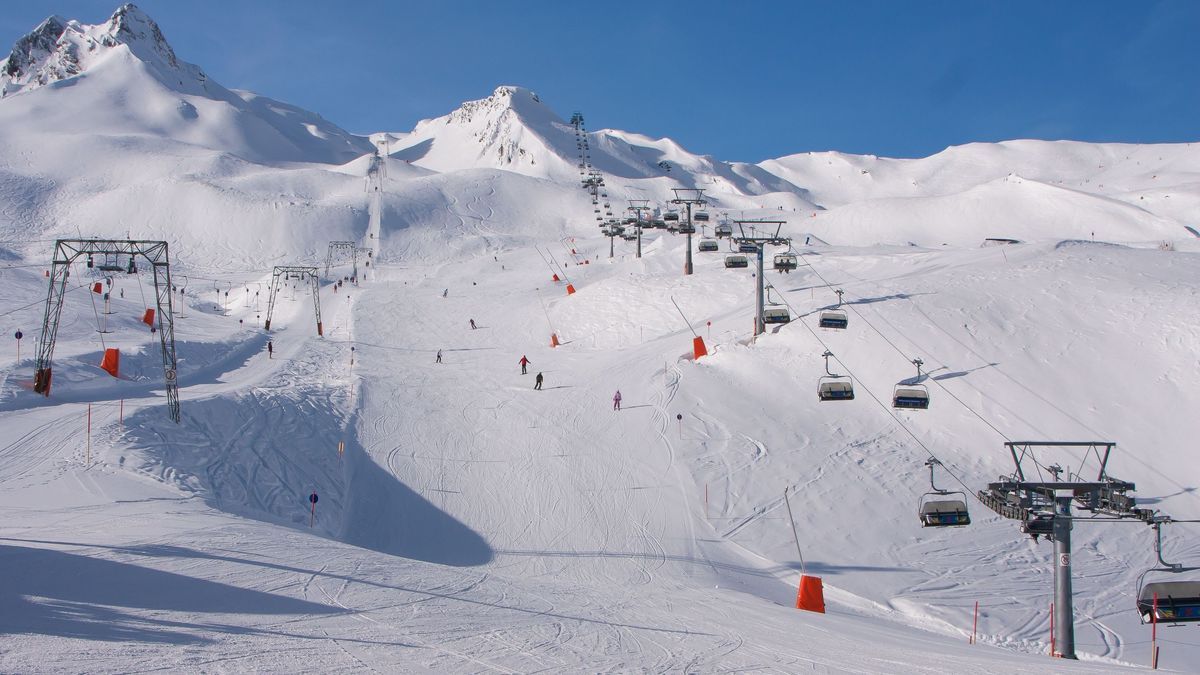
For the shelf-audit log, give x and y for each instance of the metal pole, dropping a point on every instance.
(794, 534)
(1064, 613)
(687, 265)
(759, 326)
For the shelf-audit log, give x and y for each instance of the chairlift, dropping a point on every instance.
(913, 396)
(132, 266)
(708, 245)
(785, 262)
(936, 510)
(724, 230)
(671, 215)
(835, 318)
(834, 387)
(736, 261)
(776, 315)
(1173, 602)
(747, 247)
(775, 312)
(686, 228)
(701, 216)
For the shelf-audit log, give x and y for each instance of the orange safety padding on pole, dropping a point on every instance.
(41, 381)
(586, 261)
(148, 317)
(111, 362)
(570, 289)
(320, 330)
(97, 287)
(556, 276)
(811, 595)
(698, 348)
(573, 252)
(553, 339)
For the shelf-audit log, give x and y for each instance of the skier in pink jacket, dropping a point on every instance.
(617, 400)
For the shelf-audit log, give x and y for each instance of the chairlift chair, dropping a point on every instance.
(701, 216)
(747, 247)
(913, 396)
(1174, 602)
(687, 228)
(671, 215)
(834, 387)
(835, 318)
(736, 261)
(775, 312)
(937, 508)
(785, 262)
(1178, 602)
(708, 245)
(724, 230)
(776, 315)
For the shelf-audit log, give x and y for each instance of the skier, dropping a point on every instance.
(445, 292)
(524, 362)
(538, 383)
(439, 357)
(472, 324)
(617, 400)
(270, 349)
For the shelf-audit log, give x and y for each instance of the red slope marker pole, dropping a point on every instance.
(1154, 634)
(88, 461)
(312, 499)
(975, 624)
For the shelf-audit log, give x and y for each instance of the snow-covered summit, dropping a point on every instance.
(126, 81)
(58, 49)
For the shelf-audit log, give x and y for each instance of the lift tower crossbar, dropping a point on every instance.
(688, 197)
(759, 241)
(283, 273)
(66, 251)
(1044, 509)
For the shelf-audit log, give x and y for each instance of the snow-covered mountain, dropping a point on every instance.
(122, 78)
(467, 522)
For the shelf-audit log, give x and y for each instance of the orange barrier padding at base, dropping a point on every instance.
(111, 363)
(41, 381)
(556, 277)
(97, 287)
(570, 289)
(698, 348)
(148, 317)
(811, 595)
(553, 339)
(320, 330)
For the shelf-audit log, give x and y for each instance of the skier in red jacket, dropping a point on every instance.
(524, 362)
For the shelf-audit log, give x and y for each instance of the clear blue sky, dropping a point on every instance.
(738, 80)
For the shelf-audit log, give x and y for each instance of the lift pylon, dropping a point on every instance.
(66, 251)
(688, 197)
(337, 253)
(283, 273)
(758, 241)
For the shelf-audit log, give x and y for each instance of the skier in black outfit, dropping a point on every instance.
(538, 382)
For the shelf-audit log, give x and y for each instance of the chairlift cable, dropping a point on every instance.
(909, 359)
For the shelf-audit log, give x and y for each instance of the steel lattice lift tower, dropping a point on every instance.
(66, 251)
(283, 273)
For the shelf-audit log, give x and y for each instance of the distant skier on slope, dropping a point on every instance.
(472, 324)
(617, 400)
(439, 357)
(270, 349)
(524, 362)
(538, 382)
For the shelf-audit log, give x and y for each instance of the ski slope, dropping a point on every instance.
(474, 524)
